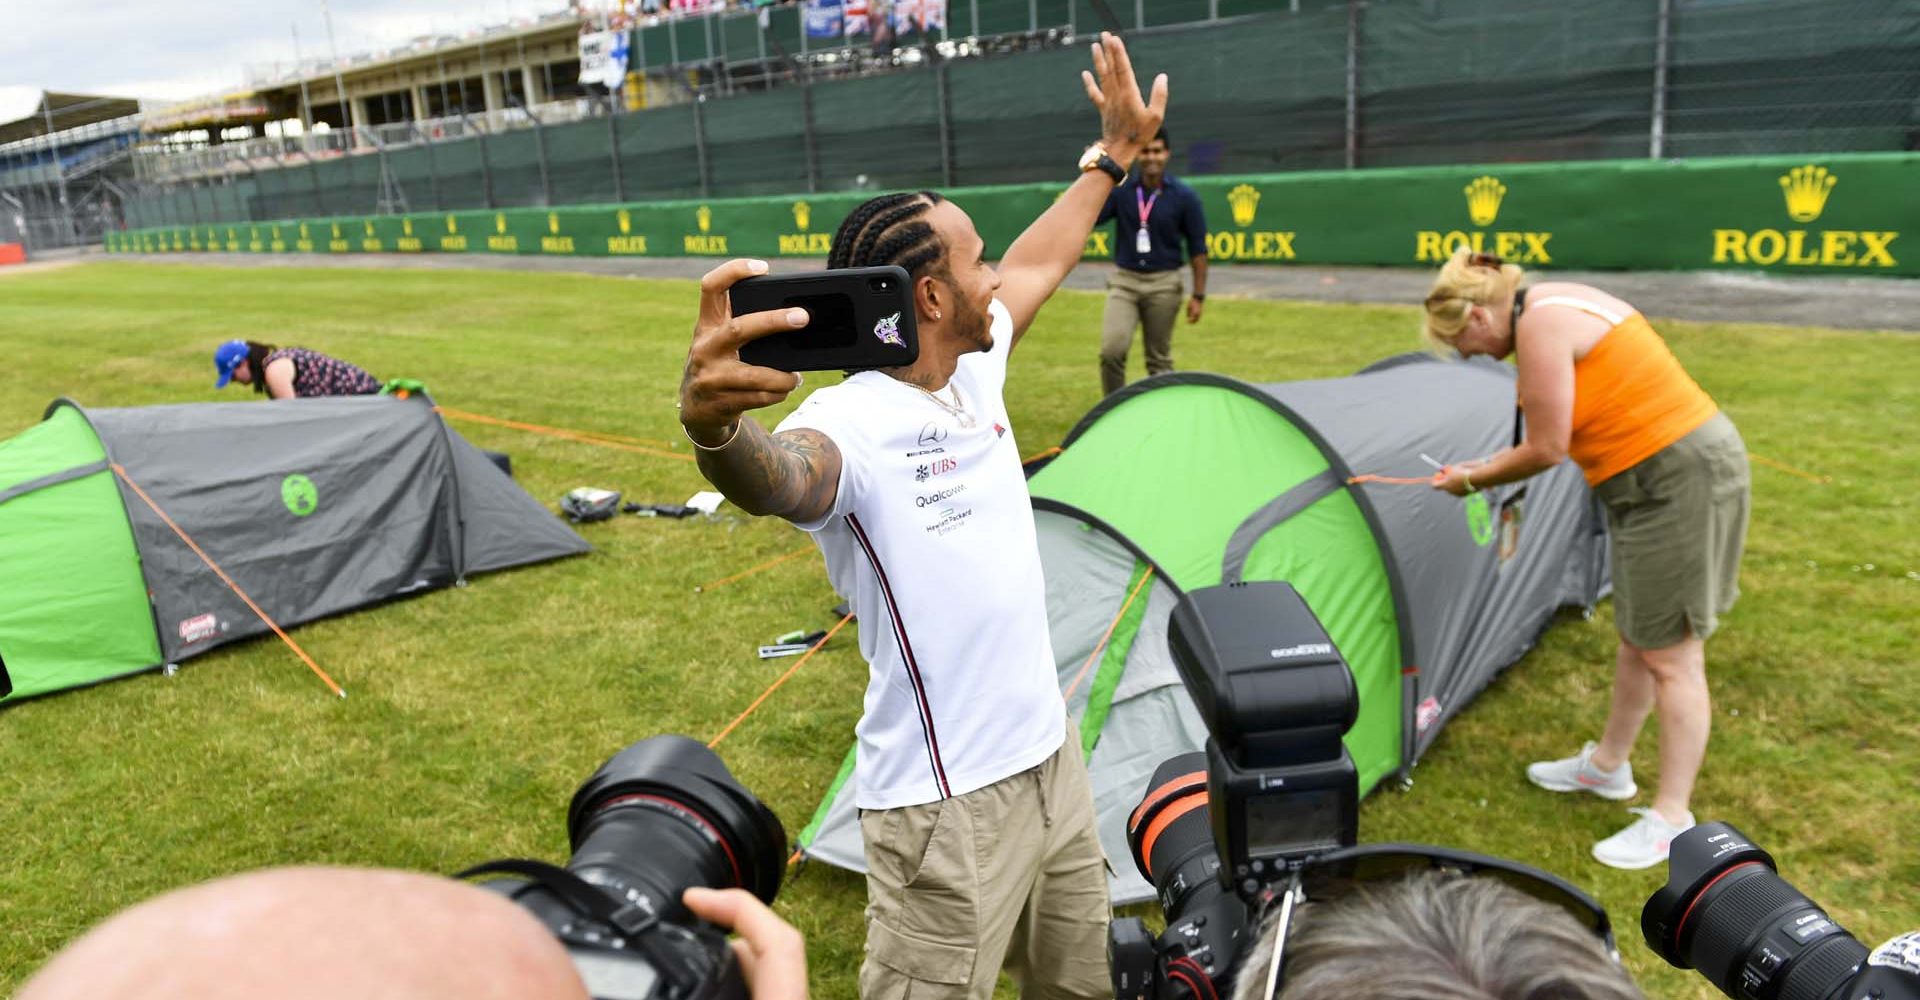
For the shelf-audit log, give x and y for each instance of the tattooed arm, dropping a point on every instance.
(794, 474)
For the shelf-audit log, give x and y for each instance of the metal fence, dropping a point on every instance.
(1327, 86)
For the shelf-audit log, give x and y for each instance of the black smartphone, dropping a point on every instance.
(858, 317)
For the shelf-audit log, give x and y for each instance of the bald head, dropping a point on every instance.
(298, 933)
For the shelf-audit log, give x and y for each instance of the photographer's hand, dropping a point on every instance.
(772, 953)
(795, 474)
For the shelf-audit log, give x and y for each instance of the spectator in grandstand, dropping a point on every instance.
(1152, 214)
(289, 372)
(977, 817)
(1598, 384)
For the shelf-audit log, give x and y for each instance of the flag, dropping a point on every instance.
(823, 19)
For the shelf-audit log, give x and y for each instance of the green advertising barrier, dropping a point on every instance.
(1830, 214)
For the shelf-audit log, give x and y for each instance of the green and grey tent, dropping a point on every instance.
(1189, 480)
(312, 506)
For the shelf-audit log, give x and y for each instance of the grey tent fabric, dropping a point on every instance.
(1465, 622)
(313, 506)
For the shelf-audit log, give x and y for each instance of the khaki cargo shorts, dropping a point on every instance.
(1008, 874)
(1677, 524)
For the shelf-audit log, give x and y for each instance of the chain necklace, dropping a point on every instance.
(957, 409)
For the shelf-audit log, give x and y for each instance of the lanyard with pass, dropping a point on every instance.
(1142, 243)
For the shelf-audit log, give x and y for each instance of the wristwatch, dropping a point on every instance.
(1096, 158)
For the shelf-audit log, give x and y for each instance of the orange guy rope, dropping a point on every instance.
(604, 440)
(1391, 480)
(783, 679)
(224, 578)
(1101, 646)
(1788, 469)
(743, 574)
(1037, 456)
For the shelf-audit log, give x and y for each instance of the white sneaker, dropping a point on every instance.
(1641, 845)
(1577, 774)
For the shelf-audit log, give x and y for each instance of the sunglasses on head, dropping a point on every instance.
(1487, 260)
(1331, 875)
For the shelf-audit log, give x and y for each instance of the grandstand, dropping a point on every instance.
(790, 99)
(65, 169)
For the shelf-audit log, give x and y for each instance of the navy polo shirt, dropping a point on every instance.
(1176, 215)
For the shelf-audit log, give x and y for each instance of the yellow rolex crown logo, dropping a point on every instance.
(406, 227)
(1245, 200)
(453, 225)
(802, 214)
(553, 222)
(1806, 189)
(704, 216)
(625, 219)
(499, 222)
(1483, 199)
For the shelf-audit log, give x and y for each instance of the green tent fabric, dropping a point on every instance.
(73, 608)
(313, 506)
(1191, 479)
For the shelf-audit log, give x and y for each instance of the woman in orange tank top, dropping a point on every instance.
(1599, 386)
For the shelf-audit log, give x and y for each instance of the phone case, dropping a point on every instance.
(861, 317)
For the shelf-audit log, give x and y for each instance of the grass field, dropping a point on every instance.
(475, 713)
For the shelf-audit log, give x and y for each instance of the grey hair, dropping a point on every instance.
(1437, 936)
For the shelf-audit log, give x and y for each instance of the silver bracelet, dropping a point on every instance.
(715, 447)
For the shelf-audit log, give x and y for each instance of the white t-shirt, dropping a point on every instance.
(932, 539)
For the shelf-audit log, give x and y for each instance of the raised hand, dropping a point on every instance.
(1126, 121)
(717, 386)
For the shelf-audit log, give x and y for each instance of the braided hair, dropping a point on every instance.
(891, 230)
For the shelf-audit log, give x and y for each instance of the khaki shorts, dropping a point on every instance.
(1677, 524)
(1008, 874)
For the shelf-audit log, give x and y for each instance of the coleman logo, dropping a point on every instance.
(1304, 649)
(198, 627)
(625, 243)
(555, 243)
(1483, 200)
(704, 243)
(1485, 194)
(1805, 190)
(803, 242)
(500, 242)
(1269, 244)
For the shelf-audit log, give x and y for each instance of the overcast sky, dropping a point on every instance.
(172, 49)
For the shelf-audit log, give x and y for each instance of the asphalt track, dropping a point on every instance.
(1703, 296)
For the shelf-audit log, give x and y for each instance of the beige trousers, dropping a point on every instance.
(1008, 874)
(1150, 301)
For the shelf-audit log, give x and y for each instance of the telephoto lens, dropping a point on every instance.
(1172, 843)
(1726, 912)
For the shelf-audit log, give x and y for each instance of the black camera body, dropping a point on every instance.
(1726, 911)
(1274, 788)
(1277, 697)
(662, 815)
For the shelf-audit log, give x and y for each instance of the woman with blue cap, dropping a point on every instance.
(289, 372)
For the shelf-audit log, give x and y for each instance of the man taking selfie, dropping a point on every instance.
(975, 808)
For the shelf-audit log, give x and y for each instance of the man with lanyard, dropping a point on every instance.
(976, 813)
(1151, 216)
